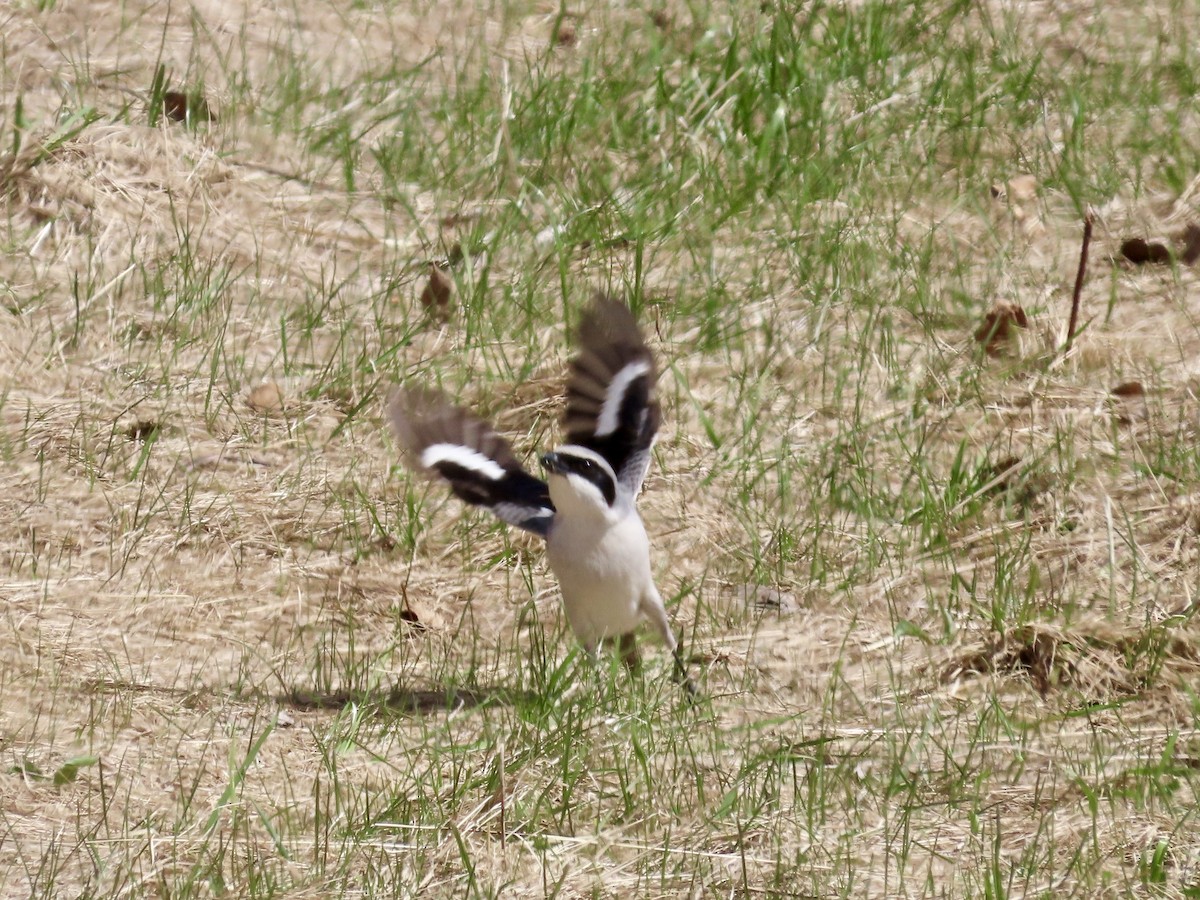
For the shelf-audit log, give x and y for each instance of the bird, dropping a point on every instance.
(586, 508)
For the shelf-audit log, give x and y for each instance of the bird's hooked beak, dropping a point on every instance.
(553, 464)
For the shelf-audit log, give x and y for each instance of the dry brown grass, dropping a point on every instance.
(161, 606)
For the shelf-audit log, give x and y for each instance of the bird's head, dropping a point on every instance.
(581, 482)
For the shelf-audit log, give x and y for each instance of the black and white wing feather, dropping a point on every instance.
(611, 406)
(477, 463)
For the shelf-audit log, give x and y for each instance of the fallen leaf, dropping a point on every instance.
(438, 290)
(1129, 402)
(180, 106)
(1191, 244)
(999, 327)
(411, 619)
(1140, 252)
(1129, 389)
(142, 430)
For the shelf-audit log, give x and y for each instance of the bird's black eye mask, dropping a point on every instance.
(593, 472)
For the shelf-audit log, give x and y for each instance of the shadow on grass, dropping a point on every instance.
(408, 702)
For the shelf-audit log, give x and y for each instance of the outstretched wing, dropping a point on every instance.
(611, 406)
(477, 463)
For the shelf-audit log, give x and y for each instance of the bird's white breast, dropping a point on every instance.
(603, 574)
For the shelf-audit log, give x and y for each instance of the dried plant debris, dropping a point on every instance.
(229, 458)
(1089, 222)
(1019, 194)
(566, 36)
(39, 148)
(451, 256)
(1129, 389)
(735, 602)
(1097, 658)
(1022, 189)
(1048, 658)
(1001, 476)
(435, 298)
(564, 33)
(411, 619)
(266, 398)
(1141, 252)
(143, 430)
(1129, 402)
(998, 330)
(764, 598)
(180, 106)
(1014, 480)
(1191, 244)
(396, 700)
(461, 217)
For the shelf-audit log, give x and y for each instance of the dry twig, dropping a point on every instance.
(1075, 295)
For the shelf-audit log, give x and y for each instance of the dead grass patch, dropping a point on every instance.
(1097, 660)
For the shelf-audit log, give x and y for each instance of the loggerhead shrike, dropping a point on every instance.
(587, 509)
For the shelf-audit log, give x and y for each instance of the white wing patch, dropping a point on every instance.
(606, 422)
(465, 457)
(531, 518)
